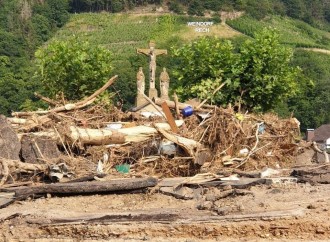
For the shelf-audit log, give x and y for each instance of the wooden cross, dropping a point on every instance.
(152, 53)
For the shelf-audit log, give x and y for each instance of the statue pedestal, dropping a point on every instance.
(140, 100)
(153, 93)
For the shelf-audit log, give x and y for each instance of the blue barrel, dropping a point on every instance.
(187, 111)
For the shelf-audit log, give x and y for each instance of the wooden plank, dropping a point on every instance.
(169, 117)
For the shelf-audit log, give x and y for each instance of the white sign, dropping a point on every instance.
(200, 27)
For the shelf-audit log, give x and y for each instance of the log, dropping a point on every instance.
(171, 104)
(66, 107)
(106, 136)
(95, 136)
(71, 106)
(120, 136)
(118, 185)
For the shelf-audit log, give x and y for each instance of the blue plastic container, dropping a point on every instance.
(187, 111)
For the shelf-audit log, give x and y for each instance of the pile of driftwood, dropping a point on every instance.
(73, 140)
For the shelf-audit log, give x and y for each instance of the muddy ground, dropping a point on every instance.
(291, 212)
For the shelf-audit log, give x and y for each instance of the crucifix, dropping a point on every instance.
(152, 53)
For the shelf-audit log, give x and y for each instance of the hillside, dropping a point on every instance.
(26, 27)
(295, 33)
(123, 33)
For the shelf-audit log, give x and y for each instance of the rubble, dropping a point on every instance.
(212, 146)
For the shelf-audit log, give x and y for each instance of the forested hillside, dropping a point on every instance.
(27, 25)
(24, 25)
(316, 12)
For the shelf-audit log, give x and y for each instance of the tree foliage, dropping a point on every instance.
(24, 25)
(258, 76)
(267, 76)
(312, 105)
(72, 67)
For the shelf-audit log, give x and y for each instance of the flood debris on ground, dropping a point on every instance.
(207, 152)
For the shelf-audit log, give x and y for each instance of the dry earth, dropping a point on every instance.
(296, 212)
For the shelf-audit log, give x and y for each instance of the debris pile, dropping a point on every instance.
(72, 140)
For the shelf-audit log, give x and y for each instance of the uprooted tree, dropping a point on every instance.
(258, 76)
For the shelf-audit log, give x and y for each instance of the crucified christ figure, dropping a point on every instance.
(152, 53)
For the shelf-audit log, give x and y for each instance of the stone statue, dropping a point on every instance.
(164, 84)
(140, 84)
(152, 53)
(140, 81)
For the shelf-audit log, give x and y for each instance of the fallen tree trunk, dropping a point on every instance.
(70, 106)
(120, 136)
(105, 136)
(66, 107)
(95, 136)
(119, 185)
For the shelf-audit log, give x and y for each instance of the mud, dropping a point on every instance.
(297, 212)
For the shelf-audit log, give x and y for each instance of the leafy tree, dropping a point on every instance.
(259, 75)
(13, 89)
(267, 76)
(312, 105)
(203, 63)
(73, 67)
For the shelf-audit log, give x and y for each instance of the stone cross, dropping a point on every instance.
(152, 53)
(164, 84)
